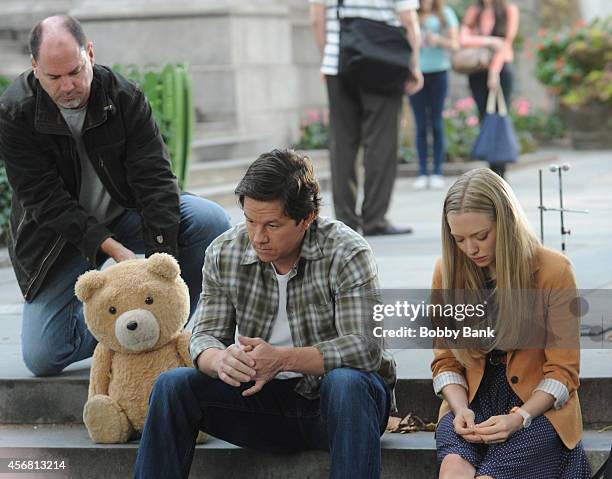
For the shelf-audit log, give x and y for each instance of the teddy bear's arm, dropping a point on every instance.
(99, 376)
(182, 346)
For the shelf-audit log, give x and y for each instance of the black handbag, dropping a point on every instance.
(374, 56)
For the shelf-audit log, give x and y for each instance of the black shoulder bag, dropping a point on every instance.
(374, 56)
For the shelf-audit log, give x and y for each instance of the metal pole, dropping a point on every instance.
(541, 209)
(563, 232)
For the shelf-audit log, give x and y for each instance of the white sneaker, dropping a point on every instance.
(421, 182)
(436, 182)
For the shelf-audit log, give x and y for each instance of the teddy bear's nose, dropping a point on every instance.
(132, 325)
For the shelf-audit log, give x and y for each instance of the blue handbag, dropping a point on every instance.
(496, 142)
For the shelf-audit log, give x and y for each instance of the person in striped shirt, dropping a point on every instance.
(365, 118)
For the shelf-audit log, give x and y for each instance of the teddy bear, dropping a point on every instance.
(136, 309)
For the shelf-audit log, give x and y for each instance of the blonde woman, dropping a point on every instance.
(508, 411)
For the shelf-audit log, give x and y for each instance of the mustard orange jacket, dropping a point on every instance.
(525, 368)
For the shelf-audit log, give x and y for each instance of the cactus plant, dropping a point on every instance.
(169, 91)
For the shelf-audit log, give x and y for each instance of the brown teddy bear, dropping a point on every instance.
(136, 310)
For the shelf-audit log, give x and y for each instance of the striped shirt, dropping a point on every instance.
(380, 10)
(330, 295)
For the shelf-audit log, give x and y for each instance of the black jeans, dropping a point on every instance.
(480, 91)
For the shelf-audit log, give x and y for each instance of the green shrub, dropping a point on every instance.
(576, 64)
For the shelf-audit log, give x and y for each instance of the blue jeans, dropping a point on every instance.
(428, 105)
(54, 333)
(347, 420)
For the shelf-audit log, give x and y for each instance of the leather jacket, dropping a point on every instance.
(126, 150)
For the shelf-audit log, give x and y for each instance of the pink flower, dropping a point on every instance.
(465, 104)
(522, 107)
(471, 121)
(450, 113)
(313, 116)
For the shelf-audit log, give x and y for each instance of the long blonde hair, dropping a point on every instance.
(482, 191)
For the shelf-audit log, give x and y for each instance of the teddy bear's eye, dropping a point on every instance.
(112, 310)
(149, 300)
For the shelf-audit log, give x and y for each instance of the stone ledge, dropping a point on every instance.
(410, 455)
(60, 399)
(92, 11)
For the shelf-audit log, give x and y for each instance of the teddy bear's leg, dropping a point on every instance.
(105, 420)
(202, 437)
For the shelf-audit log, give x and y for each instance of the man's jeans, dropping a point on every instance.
(54, 333)
(347, 420)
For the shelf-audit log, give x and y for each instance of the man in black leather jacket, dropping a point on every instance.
(91, 179)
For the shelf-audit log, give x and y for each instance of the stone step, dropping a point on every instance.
(230, 171)
(216, 145)
(15, 57)
(217, 179)
(409, 456)
(60, 399)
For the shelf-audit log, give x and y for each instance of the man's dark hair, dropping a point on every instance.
(71, 25)
(286, 176)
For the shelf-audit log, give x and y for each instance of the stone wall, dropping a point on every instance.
(255, 64)
(240, 55)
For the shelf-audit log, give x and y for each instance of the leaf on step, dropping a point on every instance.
(410, 423)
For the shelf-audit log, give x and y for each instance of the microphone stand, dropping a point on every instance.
(564, 233)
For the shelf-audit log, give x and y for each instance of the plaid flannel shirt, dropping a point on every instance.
(330, 295)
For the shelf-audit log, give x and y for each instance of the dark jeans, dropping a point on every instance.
(427, 105)
(347, 421)
(480, 92)
(359, 118)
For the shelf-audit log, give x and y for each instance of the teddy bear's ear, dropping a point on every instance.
(164, 265)
(87, 284)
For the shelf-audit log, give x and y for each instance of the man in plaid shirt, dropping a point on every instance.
(284, 355)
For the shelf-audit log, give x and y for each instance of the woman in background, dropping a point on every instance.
(510, 409)
(493, 24)
(440, 33)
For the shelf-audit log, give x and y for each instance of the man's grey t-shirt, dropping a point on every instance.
(93, 197)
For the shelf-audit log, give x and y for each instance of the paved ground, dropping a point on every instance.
(407, 261)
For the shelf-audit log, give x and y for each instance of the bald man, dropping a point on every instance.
(91, 179)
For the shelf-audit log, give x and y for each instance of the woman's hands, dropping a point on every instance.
(464, 425)
(498, 428)
(493, 80)
(494, 430)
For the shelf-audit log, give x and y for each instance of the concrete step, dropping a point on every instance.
(216, 173)
(217, 179)
(60, 399)
(410, 456)
(216, 144)
(230, 171)
(15, 57)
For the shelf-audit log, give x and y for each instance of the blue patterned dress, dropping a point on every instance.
(533, 453)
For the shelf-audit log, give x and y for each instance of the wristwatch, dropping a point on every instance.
(524, 414)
